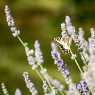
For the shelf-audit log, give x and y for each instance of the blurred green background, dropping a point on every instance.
(38, 20)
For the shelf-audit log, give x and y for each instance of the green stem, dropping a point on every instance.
(42, 68)
(39, 75)
(76, 62)
(21, 41)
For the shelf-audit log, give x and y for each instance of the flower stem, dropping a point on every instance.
(42, 68)
(39, 75)
(76, 62)
(21, 41)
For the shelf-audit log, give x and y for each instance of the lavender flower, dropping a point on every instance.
(11, 23)
(38, 53)
(92, 43)
(64, 32)
(30, 57)
(69, 27)
(5, 92)
(83, 88)
(29, 84)
(60, 64)
(78, 39)
(35, 58)
(17, 92)
(88, 75)
(83, 46)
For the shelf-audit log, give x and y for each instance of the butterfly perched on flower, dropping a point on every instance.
(64, 43)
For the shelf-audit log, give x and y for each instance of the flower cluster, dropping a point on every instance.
(82, 87)
(61, 67)
(29, 84)
(34, 57)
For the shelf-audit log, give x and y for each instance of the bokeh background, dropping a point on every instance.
(38, 20)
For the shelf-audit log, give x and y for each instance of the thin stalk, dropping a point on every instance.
(39, 75)
(76, 62)
(21, 41)
(41, 67)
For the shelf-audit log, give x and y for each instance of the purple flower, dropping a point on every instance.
(59, 62)
(55, 55)
(38, 52)
(78, 86)
(82, 87)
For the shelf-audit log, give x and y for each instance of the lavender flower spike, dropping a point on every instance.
(83, 88)
(38, 53)
(69, 27)
(30, 57)
(5, 92)
(55, 54)
(60, 64)
(29, 84)
(11, 23)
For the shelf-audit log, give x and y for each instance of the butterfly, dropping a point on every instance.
(64, 43)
